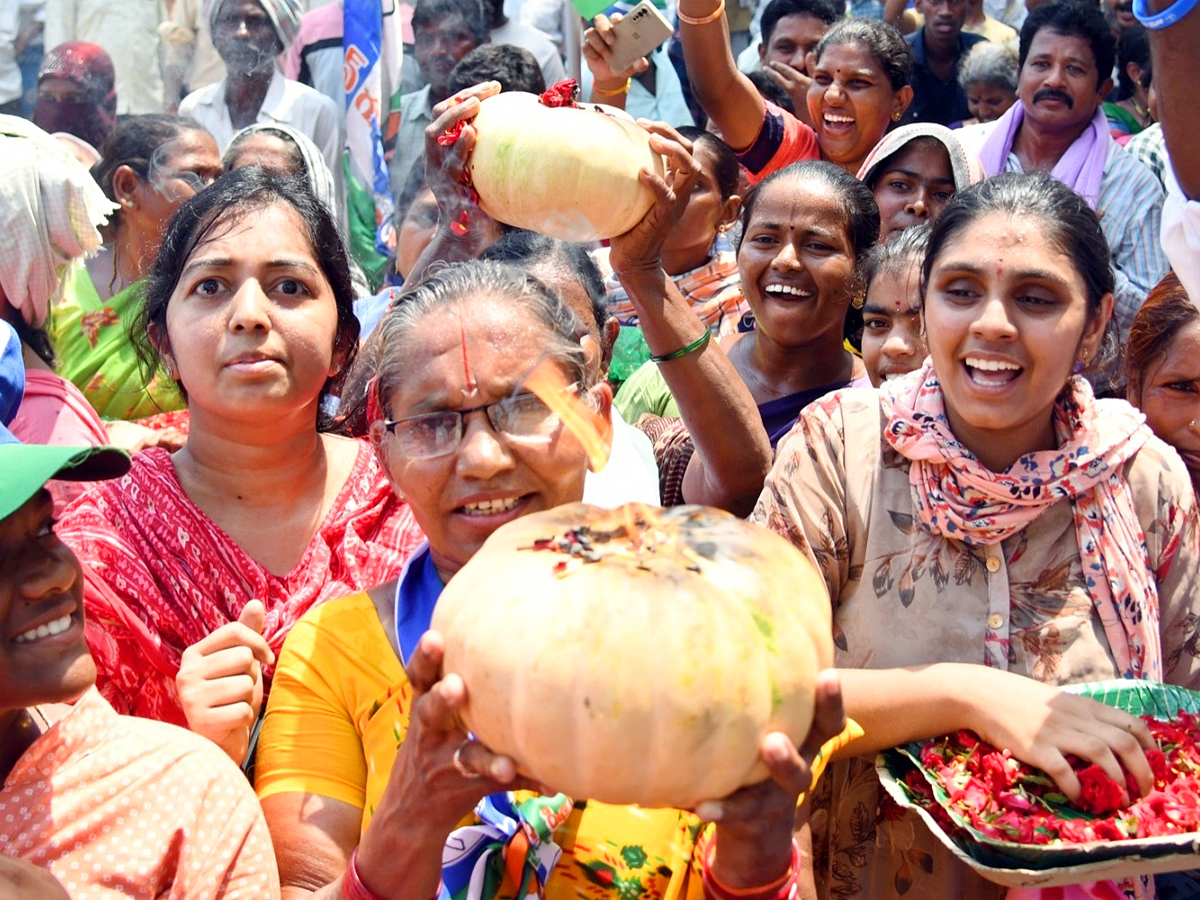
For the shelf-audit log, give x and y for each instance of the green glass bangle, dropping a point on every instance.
(686, 349)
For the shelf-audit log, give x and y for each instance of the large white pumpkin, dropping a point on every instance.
(637, 655)
(568, 172)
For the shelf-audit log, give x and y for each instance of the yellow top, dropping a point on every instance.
(339, 710)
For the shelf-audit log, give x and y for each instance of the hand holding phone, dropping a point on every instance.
(627, 40)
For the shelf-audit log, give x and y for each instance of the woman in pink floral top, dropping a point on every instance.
(989, 530)
(249, 312)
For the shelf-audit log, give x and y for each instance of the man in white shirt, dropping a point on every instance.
(128, 30)
(509, 31)
(249, 35)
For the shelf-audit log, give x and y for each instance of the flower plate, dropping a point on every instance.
(1023, 865)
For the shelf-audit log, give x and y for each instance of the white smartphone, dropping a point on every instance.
(638, 34)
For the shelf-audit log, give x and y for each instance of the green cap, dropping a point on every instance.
(25, 468)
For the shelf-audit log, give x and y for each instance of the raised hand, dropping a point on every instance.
(597, 51)
(220, 681)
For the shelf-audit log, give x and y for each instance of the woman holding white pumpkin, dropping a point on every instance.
(353, 816)
(988, 530)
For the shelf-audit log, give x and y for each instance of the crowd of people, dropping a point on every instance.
(918, 290)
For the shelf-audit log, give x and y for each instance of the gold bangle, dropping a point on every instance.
(624, 89)
(703, 20)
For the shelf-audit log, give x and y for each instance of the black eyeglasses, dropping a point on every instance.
(523, 418)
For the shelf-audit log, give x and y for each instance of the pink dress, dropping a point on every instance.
(160, 575)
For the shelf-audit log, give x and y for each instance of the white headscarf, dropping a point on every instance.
(284, 15)
(320, 178)
(49, 209)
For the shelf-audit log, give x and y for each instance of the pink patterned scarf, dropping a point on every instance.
(960, 499)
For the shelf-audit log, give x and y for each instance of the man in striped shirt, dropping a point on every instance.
(1066, 55)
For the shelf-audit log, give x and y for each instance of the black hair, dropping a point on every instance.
(1133, 47)
(858, 203)
(727, 171)
(827, 11)
(771, 90)
(1069, 224)
(429, 13)
(1148, 74)
(514, 67)
(530, 248)
(137, 142)
(214, 212)
(881, 39)
(1073, 18)
(895, 256)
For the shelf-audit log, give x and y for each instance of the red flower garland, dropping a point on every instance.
(1006, 800)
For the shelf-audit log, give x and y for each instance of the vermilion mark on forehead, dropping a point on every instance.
(472, 388)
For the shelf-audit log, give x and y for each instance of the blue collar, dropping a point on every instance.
(417, 594)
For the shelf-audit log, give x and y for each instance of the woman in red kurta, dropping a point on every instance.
(248, 310)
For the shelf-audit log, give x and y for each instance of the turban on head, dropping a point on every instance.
(284, 15)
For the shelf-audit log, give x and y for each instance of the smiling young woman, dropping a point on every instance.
(1068, 530)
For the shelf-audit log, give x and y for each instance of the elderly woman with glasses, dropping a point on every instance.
(363, 770)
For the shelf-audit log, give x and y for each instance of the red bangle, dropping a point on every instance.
(352, 883)
(783, 888)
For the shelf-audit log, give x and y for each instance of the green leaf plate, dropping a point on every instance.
(1022, 865)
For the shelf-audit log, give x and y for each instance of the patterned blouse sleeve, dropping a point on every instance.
(1172, 529)
(804, 498)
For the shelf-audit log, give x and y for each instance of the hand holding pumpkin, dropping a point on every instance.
(597, 50)
(438, 770)
(459, 213)
(754, 825)
(639, 250)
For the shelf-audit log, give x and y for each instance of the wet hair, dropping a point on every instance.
(1073, 18)
(726, 168)
(881, 39)
(1133, 47)
(1068, 223)
(772, 91)
(896, 256)
(530, 249)
(295, 157)
(989, 63)
(464, 285)
(858, 203)
(214, 213)
(1166, 312)
(139, 142)
(827, 11)
(430, 13)
(514, 67)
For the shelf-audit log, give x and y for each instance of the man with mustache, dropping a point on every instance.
(1057, 126)
(249, 35)
(937, 49)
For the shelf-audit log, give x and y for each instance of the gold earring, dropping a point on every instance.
(896, 116)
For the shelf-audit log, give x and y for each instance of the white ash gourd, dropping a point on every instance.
(570, 172)
(636, 655)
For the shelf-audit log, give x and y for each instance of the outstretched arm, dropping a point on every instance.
(733, 454)
(729, 97)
